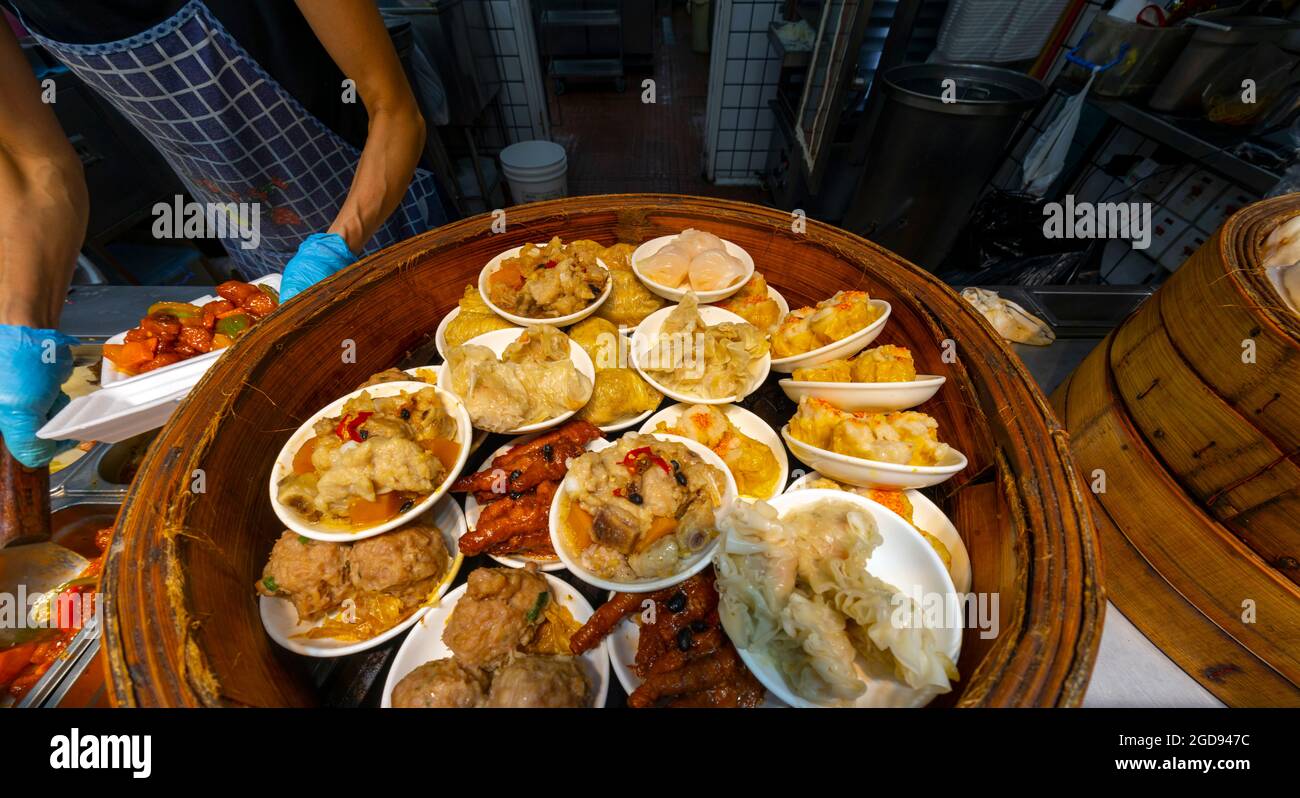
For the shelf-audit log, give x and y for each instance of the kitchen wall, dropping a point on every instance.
(743, 73)
(523, 96)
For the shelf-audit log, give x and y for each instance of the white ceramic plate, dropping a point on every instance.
(748, 424)
(424, 643)
(874, 397)
(281, 620)
(926, 515)
(110, 375)
(284, 464)
(622, 642)
(845, 347)
(872, 473)
(497, 341)
(689, 568)
(473, 509)
(524, 321)
(675, 294)
(905, 561)
(647, 333)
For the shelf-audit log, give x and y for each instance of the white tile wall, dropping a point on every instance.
(749, 74)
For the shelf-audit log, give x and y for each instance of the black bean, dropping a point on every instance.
(362, 434)
(514, 495)
(516, 474)
(676, 465)
(677, 602)
(406, 505)
(684, 639)
(635, 498)
(681, 479)
(406, 414)
(699, 627)
(548, 452)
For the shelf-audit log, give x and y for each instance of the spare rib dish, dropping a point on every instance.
(548, 281)
(510, 644)
(515, 491)
(386, 577)
(683, 656)
(373, 461)
(174, 331)
(639, 509)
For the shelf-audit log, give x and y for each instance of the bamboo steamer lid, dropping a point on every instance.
(1190, 414)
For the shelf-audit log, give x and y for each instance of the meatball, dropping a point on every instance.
(310, 573)
(441, 684)
(404, 563)
(492, 619)
(545, 682)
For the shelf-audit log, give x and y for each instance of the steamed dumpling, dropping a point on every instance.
(695, 242)
(667, 267)
(714, 270)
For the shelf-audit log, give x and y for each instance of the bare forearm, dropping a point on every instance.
(394, 142)
(43, 213)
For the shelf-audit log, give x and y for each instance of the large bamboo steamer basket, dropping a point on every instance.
(181, 622)
(1199, 452)
(1228, 428)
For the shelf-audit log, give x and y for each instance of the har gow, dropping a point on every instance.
(668, 266)
(714, 270)
(695, 242)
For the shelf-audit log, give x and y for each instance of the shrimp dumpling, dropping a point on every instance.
(667, 267)
(714, 269)
(695, 242)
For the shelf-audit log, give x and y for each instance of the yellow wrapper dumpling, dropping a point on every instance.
(629, 302)
(473, 320)
(619, 394)
(601, 340)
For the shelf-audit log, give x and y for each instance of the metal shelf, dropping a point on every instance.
(587, 67)
(1183, 135)
(583, 18)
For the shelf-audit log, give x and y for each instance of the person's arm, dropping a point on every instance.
(354, 35)
(43, 212)
(43, 200)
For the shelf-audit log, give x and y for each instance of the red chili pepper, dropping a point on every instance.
(635, 457)
(618, 492)
(550, 264)
(348, 427)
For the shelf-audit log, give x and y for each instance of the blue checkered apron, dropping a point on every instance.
(233, 134)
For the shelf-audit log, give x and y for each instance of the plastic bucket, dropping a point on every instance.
(535, 170)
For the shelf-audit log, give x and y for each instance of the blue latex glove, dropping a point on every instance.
(36, 363)
(318, 256)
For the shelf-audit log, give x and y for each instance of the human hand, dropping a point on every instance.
(37, 362)
(319, 256)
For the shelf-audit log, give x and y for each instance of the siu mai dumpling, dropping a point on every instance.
(714, 270)
(667, 267)
(695, 242)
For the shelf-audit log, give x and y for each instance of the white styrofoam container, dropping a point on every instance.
(124, 405)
